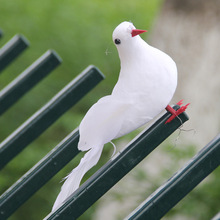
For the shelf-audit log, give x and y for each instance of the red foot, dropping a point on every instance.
(174, 112)
(180, 102)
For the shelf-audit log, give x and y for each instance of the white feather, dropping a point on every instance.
(73, 180)
(146, 84)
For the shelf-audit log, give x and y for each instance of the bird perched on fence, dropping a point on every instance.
(146, 84)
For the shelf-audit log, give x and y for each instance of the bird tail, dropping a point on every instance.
(72, 181)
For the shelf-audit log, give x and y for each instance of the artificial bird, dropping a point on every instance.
(146, 84)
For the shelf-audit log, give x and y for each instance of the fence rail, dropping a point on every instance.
(176, 188)
(1, 33)
(12, 50)
(28, 79)
(117, 168)
(48, 114)
(39, 175)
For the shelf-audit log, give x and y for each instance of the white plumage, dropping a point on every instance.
(146, 84)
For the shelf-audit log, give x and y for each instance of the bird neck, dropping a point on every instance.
(133, 51)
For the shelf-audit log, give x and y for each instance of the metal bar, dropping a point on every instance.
(116, 168)
(216, 217)
(48, 114)
(28, 79)
(12, 49)
(169, 194)
(41, 173)
(1, 33)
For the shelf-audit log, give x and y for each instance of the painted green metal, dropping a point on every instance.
(41, 173)
(169, 194)
(153, 208)
(28, 79)
(1, 33)
(48, 114)
(216, 217)
(12, 49)
(117, 168)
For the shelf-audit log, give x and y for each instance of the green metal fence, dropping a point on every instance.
(96, 186)
(12, 49)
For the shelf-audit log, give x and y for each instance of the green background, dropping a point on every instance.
(80, 32)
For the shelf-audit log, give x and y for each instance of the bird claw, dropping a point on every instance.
(174, 112)
(180, 102)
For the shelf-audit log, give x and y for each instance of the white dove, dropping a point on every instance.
(146, 84)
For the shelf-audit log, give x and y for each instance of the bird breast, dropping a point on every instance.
(149, 82)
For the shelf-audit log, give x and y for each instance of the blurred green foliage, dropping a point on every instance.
(80, 32)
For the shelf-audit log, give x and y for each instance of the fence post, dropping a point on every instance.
(187, 178)
(12, 49)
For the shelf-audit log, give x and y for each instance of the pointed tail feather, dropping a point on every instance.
(73, 180)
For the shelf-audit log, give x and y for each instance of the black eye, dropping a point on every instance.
(117, 41)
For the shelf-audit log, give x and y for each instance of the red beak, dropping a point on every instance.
(135, 32)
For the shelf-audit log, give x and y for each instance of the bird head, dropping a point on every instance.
(125, 33)
(127, 40)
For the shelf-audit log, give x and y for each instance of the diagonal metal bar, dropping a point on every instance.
(48, 114)
(12, 49)
(216, 217)
(41, 173)
(1, 33)
(28, 79)
(116, 169)
(169, 194)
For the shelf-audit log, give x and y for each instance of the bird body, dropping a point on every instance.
(147, 79)
(146, 84)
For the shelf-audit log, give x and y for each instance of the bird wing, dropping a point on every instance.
(102, 122)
